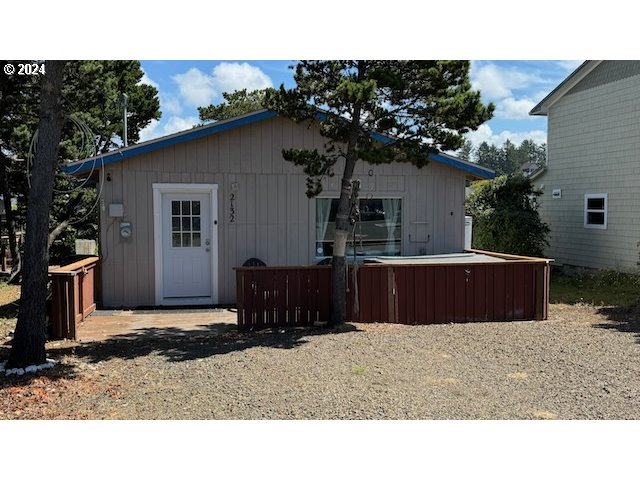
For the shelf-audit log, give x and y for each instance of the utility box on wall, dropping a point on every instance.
(116, 210)
(468, 231)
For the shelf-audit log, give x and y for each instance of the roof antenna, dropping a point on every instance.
(124, 99)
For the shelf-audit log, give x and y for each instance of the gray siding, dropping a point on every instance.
(594, 147)
(607, 72)
(275, 221)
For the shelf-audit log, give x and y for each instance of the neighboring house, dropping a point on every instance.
(180, 212)
(591, 182)
(530, 168)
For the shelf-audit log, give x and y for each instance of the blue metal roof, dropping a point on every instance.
(99, 161)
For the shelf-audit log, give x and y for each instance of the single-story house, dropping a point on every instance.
(178, 213)
(591, 182)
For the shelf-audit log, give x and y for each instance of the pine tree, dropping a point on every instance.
(421, 107)
(235, 104)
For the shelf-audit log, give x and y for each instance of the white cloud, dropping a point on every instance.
(173, 125)
(195, 87)
(486, 134)
(199, 89)
(170, 104)
(495, 82)
(150, 131)
(514, 109)
(178, 124)
(228, 77)
(146, 80)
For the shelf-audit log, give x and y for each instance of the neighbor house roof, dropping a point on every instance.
(567, 84)
(120, 154)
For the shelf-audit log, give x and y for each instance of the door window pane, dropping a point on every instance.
(186, 224)
(186, 239)
(195, 208)
(175, 207)
(175, 224)
(196, 240)
(186, 207)
(175, 240)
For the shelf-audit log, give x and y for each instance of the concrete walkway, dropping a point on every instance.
(102, 325)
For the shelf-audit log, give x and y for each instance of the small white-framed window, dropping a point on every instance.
(595, 210)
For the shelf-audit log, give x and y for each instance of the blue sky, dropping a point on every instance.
(513, 86)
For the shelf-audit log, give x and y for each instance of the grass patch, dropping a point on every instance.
(358, 370)
(9, 296)
(604, 287)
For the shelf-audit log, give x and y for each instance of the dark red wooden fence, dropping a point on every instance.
(73, 296)
(516, 289)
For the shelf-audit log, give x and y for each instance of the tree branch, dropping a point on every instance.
(73, 205)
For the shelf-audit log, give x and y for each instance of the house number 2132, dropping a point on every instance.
(232, 208)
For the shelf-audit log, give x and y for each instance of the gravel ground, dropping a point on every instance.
(580, 364)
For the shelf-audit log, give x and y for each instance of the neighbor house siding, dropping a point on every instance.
(275, 221)
(594, 147)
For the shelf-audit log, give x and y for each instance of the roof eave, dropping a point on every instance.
(99, 161)
(542, 108)
(88, 164)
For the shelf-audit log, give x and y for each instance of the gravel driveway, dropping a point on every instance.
(580, 364)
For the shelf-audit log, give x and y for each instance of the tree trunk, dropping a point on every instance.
(29, 342)
(339, 264)
(9, 218)
(339, 270)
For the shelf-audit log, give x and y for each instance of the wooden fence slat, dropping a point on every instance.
(293, 295)
(439, 303)
(450, 306)
(430, 289)
(499, 296)
(280, 288)
(529, 300)
(509, 288)
(419, 294)
(479, 294)
(240, 300)
(459, 293)
(519, 273)
(324, 296)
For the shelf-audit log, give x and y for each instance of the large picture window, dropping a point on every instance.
(595, 210)
(378, 233)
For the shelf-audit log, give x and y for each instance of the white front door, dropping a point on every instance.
(187, 248)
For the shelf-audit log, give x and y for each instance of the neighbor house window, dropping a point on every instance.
(595, 210)
(379, 231)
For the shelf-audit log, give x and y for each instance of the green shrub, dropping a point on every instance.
(505, 216)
